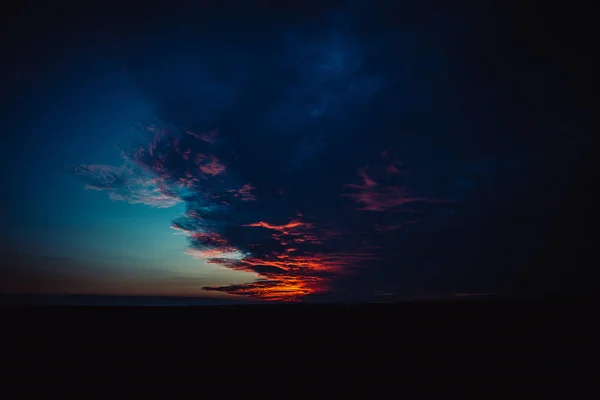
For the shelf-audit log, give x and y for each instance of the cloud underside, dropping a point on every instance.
(294, 246)
(300, 189)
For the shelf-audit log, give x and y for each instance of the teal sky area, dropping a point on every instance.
(80, 115)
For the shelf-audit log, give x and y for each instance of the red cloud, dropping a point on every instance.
(281, 228)
(291, 273)
(213, 168)
(296, 258)
(368, 182)
(209, 137)
(295, 231)
(377, 196)
(384, 199)
(245, 193)
(290, 277)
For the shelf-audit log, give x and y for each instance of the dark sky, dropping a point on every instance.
(345, 151)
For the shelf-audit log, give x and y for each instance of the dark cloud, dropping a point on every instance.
(329, 161)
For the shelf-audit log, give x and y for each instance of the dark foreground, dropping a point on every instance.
(471, 330)
(56, 301)
(481, 307)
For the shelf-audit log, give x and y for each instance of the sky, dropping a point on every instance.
(331, 151)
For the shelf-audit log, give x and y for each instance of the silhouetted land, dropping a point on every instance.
(99, 301)
(60, 322)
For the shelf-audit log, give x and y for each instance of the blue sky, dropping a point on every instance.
(79, 115)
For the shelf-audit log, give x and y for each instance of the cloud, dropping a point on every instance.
(387, 196)
(291, 244)
(213, 167)
(319, 167)
(209, 136)
(245, 193)
(126, 183)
